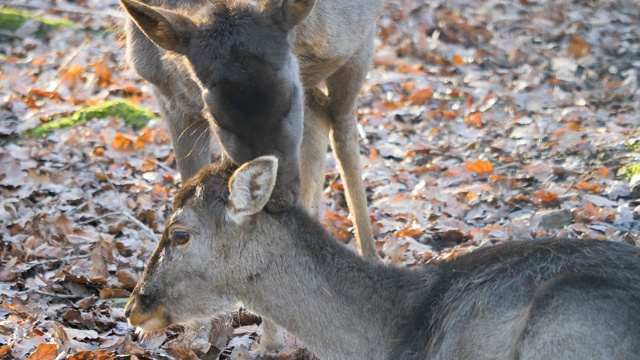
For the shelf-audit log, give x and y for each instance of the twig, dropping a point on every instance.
(569, 188)
(129, 217)
(57, 296)
(67, 61)
(113, 186)
(49, 261)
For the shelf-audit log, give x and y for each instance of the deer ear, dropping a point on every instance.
(288, 13)
(167, 29)
(250, 187)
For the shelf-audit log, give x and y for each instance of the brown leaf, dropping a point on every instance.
(544, 197)
(113, 293)
(421, 97)
(127, 278)
(64, 225)
(45, 352)
(578, 46)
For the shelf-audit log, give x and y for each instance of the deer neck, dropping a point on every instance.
(338, 304)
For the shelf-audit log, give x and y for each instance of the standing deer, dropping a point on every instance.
(548, 299)
(241, 69)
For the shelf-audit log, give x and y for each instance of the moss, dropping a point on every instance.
(132, 114)
(13, 19)
(633, 145)
(629, 170)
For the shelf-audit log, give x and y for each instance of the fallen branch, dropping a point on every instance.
(53, 295)
(129, 217)
(49, 261)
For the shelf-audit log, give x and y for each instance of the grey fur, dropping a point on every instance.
(249, 66)
(546, 299)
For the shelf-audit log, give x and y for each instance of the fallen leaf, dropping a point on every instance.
(45, 352)
(578, 47)
(421, 97)
(480, 167)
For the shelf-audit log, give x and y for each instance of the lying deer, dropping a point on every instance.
(550, 299)
(241, 68)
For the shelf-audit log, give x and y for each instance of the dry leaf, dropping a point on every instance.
(45, 352)
(578, 47)
(480, 167)
(421, 97)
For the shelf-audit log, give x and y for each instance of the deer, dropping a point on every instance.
(533, 299)
(247, 73)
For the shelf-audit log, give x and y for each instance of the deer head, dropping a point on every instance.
(202, 262)
(240, 54)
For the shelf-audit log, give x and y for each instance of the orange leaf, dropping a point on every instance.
(449, 115)
(408, 232)
(471, 195)
(457, 59)
(578, 46)
(603, 171)
(583, 185)
(421, 97)
(73, 72)
(103, 72)
(122, 143)
(4, 350)
(37, 62)
(45, 352)
(542, 196)
(427, 167)
(474, 119)
(480, 167)
(574, 126)
(143, 139)
(495, 177)
(454, 171)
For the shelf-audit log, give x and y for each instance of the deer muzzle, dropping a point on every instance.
(147, 316)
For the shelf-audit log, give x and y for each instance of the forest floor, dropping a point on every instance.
(501, 121)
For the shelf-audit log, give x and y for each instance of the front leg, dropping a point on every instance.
(190, 135)
(344, 86)
(313, 151)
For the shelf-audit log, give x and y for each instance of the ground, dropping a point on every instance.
(498, 121)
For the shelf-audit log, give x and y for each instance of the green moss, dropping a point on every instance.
(13, 19)
(132, 114)
(633, 145)
(629, 170)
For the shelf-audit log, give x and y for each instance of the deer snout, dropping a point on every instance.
(282, 199)
(142, 311)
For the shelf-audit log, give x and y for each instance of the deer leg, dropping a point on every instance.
(313, 151)
(190, 135)
(344, 86)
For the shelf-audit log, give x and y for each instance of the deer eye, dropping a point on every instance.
(180, 237)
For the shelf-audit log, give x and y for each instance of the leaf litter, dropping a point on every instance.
(498, 122)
